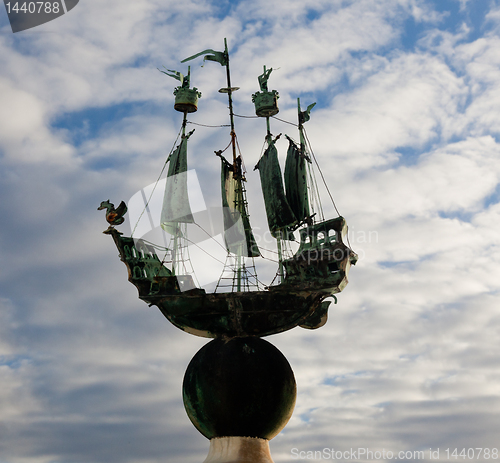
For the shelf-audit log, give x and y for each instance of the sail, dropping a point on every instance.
(238, 234)
(296, 182)
(176, 208)
(279, 214)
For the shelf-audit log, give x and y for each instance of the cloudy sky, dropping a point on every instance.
(406, 129)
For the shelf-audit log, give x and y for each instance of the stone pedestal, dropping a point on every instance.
(238, 449)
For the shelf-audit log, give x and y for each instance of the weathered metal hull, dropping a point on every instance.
(256, 313)
(211, 315)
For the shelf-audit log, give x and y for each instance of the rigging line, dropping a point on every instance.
(238, 145)
(321, 173)
(206, 252)
(246, 117)
(274, 117)
(211, 126)
(154, 188)
(286, 122)
(249, 275)
(155, 246)
(210, 236)
(252, 275)
(270, 260)
(275, 276)
(314, 188)
(164, 260)
(193, 273)
(263, 149)
(244, 168)
(268, 250)
(324, 181)
(258, 282)
(220, 152)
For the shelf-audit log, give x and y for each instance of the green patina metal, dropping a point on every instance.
(113, 216)
(239, 387)
(279, 214)
(296, 182)
(186, 99)
(318, 269)
(296, 171)
(266, 102)
(238, 233)
(298, 301)
(322, 258)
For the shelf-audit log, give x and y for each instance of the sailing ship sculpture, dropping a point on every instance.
(239, 390)
(318, 270)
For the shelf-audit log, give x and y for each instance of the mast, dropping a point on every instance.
(230, 100)
(304, 116)
(176, 210)
(239, 197)
(269, 139)
(301, 130)
(297, 179)
(176, 270)
(236, 167)
(222, 57)
(279, 214)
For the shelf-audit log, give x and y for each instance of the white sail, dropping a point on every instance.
(176, 208)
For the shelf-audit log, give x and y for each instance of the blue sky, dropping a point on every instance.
(406, 131)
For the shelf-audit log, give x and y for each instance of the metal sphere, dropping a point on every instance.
(239, 387)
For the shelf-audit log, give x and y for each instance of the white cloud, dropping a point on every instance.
(26, 137)
(407, 142)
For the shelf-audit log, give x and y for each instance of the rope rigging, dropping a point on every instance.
(313, 186)
(156, 183)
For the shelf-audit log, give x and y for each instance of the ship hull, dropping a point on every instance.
(255, 313)
(212, 315)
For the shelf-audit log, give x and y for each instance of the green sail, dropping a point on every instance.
(296, 182)
(238, 234)
(176, 206)
(279, 214)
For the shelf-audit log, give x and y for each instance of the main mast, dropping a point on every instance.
(236, 166)
(230, 90)
(239, 204)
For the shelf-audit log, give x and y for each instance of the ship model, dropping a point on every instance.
(239, 390)
(316, 271)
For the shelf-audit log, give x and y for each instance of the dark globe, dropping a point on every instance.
(239, 387)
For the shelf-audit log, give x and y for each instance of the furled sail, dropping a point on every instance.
(279, 214)
(176, 208)
(238, 234)
(296, 182)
